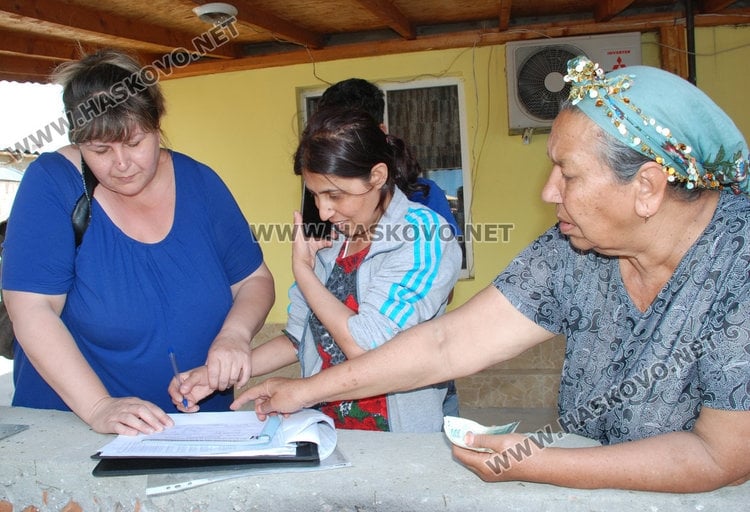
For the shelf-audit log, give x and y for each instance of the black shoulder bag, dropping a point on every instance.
(81, 215)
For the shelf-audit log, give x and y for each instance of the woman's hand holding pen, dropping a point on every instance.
(127, 416)
(192, 387)
(228, 364)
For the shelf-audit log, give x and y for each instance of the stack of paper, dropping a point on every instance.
(306, 436)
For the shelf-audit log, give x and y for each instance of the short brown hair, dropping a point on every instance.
(106, 97)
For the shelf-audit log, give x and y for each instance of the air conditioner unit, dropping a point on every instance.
(535, 71)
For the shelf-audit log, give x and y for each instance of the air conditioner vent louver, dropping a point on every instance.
(535, 71)
(540, 84)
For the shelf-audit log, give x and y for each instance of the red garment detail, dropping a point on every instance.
(367, 413)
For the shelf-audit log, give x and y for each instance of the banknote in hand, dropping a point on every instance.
(456, 429)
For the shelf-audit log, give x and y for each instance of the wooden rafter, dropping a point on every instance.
(605, 10)
(48, 16)
(253, 15)
(36, 35)
(25, 69)
(22, 44)
(673, 49)
(391, 16)
(456, 40)
(503, 14)
(708, 6)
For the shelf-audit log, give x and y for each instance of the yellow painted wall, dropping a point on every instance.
(245, 125)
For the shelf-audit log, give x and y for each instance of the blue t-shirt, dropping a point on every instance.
(437, 202)
(128, 302)
(630, 374)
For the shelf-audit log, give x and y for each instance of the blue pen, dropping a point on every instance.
(176, 370)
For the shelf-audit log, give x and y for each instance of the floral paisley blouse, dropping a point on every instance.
(630, 374)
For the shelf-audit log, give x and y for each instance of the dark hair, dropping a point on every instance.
(348, 144)
(356, 94)
(623, 159)
(107, 95)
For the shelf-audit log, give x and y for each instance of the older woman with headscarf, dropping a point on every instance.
(646, 274)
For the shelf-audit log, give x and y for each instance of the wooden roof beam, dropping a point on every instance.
(26, 69)
(673, 49)
(503, 15)
(391, 16)
(25, 44)
(251, 15)
(708, 6)
(54, 14)
(605, 10)
(458, 40)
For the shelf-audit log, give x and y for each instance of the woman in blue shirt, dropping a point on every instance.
(167, 262)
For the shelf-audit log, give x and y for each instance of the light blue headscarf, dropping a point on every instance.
(665, 118)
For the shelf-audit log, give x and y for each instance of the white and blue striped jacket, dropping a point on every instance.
(412, 265)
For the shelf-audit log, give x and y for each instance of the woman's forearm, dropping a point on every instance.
(672, 462)
(272, 355)
(53, 352)
(484, 331)
(253, 298)
(413, 359)
(332, 313)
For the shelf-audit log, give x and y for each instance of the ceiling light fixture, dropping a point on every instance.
(215, 12)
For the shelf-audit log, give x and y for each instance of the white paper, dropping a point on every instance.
(228, 434)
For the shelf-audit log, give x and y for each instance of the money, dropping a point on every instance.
(456, 429)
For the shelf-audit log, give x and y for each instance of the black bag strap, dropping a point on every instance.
(81, 215)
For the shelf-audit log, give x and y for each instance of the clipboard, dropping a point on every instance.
(230, 440)
(306, 455)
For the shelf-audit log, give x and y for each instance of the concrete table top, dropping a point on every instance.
(48, 466)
